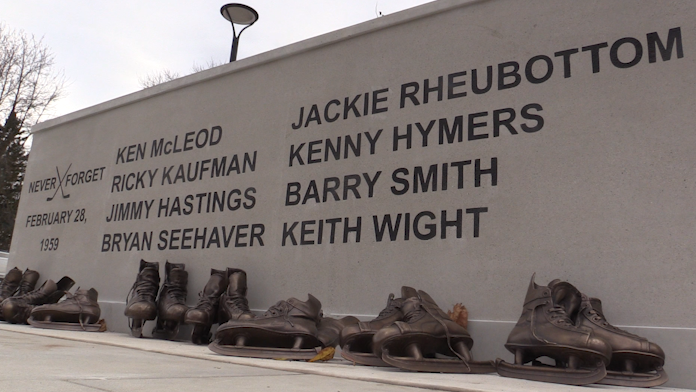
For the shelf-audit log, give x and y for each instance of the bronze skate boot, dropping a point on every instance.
(17, 310)
(171, 303)
(635, 362)
(356, 339)
(288, 330)
(233, 303)
(329, 329)
(28, 282)
(204, 314)
(546, 329)
(427, 340)
(11, 283)
(140, 305)
(78, 312)
(17, 287)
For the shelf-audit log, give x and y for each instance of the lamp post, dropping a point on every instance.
(242, 15)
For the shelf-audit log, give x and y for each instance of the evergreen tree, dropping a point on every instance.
(13, 161)
(28, 86)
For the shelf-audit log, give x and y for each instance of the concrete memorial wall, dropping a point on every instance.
(458, 147)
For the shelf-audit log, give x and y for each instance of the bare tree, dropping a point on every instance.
(28, 86)
(154, 79)
(166, 75)
(28, 82)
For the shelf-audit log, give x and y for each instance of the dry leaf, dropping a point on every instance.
(102, 325)
(459, 315)
(324, 355)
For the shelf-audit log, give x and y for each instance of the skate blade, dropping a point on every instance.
(166, 329)
(367, 359)
(438, 365)
(136, 327)
(552, 374)
(201, 334)
(165, 334)
(267, 338)
(640, 380)
(96, 327)
(304, 354)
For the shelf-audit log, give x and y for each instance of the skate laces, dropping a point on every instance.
(176, 291)
(24, 287)
(238, 302)
(6, 290)
(145, 289)
(35, 295)
(558, 312)
(599, 317)
(392, 306)
(447, 332)
(205, 302)
(71, 297)
(280, 308)
(415, 314)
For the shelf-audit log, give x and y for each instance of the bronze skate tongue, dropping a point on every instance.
(567, 296)
(413, 310)
(310, 309)
(48, 287)
(408, 292)
(144, 264)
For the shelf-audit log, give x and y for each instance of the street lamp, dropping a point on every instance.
(242, 15)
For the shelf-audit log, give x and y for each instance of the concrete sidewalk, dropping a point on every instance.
(48, 360)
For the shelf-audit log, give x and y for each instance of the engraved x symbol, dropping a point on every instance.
(60, 184)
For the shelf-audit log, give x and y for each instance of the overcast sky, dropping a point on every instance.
(105, 48)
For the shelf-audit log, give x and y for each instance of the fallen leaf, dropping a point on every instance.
(324, 355)
(459, 315)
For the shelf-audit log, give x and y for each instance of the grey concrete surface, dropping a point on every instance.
(48, 360)
(33, 362)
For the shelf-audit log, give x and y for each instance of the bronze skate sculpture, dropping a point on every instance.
(427, 340)
(288, 330)
(356, 339)
(171, 303)
(140, 305)
(17, 310)
(545, 329)
(635, 362)
(78, 312)
(205, 313)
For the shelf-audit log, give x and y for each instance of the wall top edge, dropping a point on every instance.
(309, 44)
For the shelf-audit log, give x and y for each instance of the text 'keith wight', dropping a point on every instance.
(423, 226)
(185, 172)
